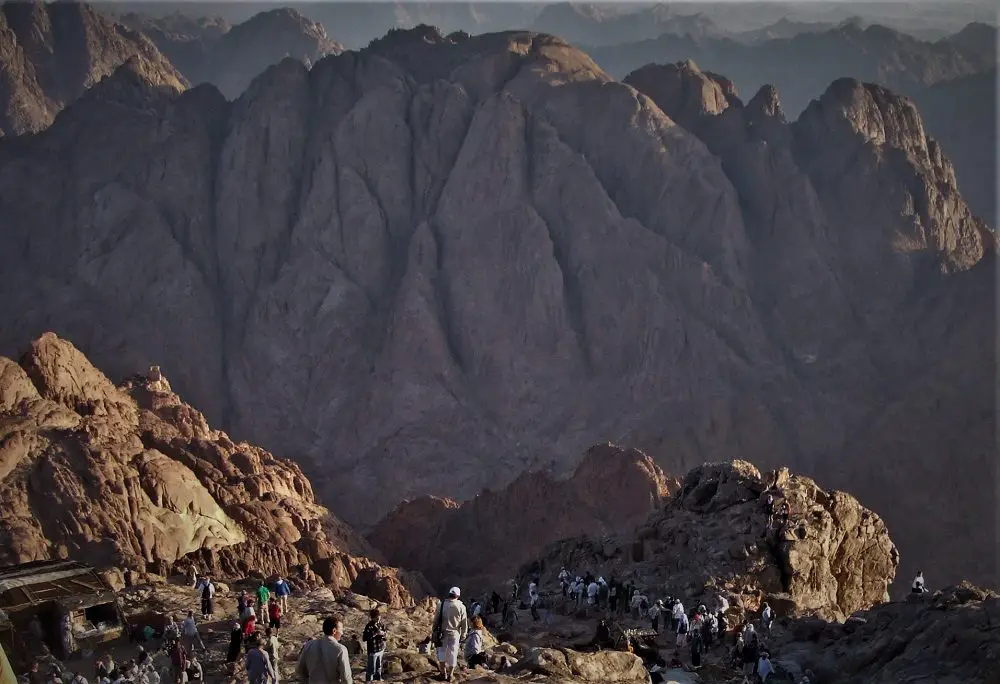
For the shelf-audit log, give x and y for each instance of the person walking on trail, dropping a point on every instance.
(475, 645)
(697, 648)
(235, 643)
(282, 591)
(764, 669)
(375, 637)
(189, 633)
(273, 649)
(324, 660)
(258, 664)
(454, 625)
(179, 662)
(274, 613)
(918, 586)
(263, 596)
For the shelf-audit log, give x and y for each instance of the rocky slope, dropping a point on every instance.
(481, 541)
(230, 57)
(962, 114)
(830, 558)
(131, 476)
(50, 53)
(951, 637)
(802, 65)
(418, 268)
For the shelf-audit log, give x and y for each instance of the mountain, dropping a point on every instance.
(962, 115)
(830, 557)
(802, 65)
(417, 269)
(607, 25)
(481, 541)
(131, 476)
(211, 51)
(50, 53)
(784, 28)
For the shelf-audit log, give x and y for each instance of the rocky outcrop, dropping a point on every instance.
(829, 557)
(421, 271)
(951, 637)
(131, 476)
(604, 666)
(481, 541)
(51, 53)
(230, 57)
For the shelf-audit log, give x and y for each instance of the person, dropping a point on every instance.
(764, 668)
(235, 643)
(592, 594)
(495, 603)
(723, 627)
(375, 637)
(697, 648)
(258, 664)
(274, 613)
(192, 576)
(721, 604)
(766, 618)
(207, 599)
(656, 671)
(532, 587)
(535, 600)
(324, 660)
(195, 672)
(454, 627)
(918, 586)
(677, 612)
(709, 626)
(128, 578)
(263, 596)
(189, 633)
(477, 608)
(654, 615)
(250, 626)
(750, 653)
(282, 591)
(475, 646)
(273, 649)
(613, 596)
(179, 662)
(682, 629)
(769, 507)
(241, 604)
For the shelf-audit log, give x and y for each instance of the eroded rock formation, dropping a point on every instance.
(422, 269)
(484, 539)
(831, 557)
(50, 53)
(132, 476)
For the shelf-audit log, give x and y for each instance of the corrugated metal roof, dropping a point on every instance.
(41, 582)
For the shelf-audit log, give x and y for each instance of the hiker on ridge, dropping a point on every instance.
(918, 586)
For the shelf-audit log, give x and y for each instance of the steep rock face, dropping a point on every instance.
(831, 557)
(418, 267)
(952, 637)
(132, 476)
(962, 115)
(230, 57)
(51, 53)
(483, 539)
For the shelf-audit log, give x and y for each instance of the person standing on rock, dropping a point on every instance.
(282, 591)
(375, 637)
(454, 627)
(324, 660)
(207, 599)
(235, 643)
(654, 615)
(766, 618)
(918, 586)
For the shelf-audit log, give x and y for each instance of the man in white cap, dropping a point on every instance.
(454, 627)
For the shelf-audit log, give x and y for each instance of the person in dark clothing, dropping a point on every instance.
(375, 637)
(750, 654)
(723, 627)
(613, 590)
(495, 603)
(128, 577)
(235, 643)
(697, 648)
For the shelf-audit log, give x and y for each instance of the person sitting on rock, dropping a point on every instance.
(918, 586)
(766, 618)
(475, 645)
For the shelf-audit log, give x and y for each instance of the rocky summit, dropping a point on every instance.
(825, 555)
(482, 541)
(132, 477)
(428, 266)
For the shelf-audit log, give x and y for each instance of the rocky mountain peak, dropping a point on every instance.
(684, 92)
(131, 476)
(829, 556)
(52, 53)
